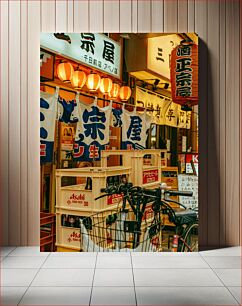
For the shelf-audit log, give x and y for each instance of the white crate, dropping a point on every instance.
(77, 198)
(143, 173)
(70, 237)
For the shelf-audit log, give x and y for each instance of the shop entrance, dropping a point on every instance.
(119, 142)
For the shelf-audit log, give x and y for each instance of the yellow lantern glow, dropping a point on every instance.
(106, 85)
(114, 91)
(65, 72)
(125, 93)
(93, 81)
(78, 79)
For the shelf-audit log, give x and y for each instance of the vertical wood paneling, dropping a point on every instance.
(217, 24)
(191, 15)
(222, 121)
(4, 112)
(48, 16)
(213, 124)
(125, 12)
(182, 16)
(70, 16)
(33, 122)
(81, 16)
(232, 122)
(240, 129)
(23, 125)
(134, 16)
(201, 29)
(96, 16)
(61, 16)
(14, 121)
(171, 16)
(111, 16)
(144, 16)
(157, 14)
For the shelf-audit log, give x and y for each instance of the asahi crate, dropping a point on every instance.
(145, 165)
(68, 231)
(78, 198)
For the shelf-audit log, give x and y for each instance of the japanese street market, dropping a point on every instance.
(119, 142)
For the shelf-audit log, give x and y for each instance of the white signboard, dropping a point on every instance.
(92, 49)
(159, 50)
(188, 183)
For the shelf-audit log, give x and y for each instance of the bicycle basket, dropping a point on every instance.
(117, 231)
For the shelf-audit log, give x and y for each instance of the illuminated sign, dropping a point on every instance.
(92, 49)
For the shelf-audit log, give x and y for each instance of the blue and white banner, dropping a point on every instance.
(116, 119)
(48, 111)
(92, 131)
(134, 129)
(67, 111)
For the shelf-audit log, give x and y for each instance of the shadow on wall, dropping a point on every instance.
(210, 227)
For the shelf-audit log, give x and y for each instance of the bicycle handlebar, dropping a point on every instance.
(178, 193)
(115, 189)
(153, 193)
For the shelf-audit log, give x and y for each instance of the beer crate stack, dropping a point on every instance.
(145, 168)
(145, 165)
(75, 202)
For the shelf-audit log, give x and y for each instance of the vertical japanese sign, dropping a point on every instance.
(92, 132)
(48, 109)
(134, 130)
(184, 74)
(184, 118)
(93, 49)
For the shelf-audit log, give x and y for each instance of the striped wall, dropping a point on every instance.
(217, 24)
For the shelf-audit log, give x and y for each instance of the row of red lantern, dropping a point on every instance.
(93, 82)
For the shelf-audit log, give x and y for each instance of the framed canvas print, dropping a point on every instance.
(119, 142)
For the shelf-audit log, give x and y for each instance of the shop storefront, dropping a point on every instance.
(119, 132)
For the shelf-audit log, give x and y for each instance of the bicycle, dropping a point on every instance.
(129, 230)
(185, 220)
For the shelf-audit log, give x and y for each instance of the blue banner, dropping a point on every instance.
(92, 132)
(48, 109)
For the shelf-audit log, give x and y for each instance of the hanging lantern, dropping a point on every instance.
(125, 93)
(78, 79)
(184, 74)
(106, 85)
(114, 91)
(65, 72)
(93, 81)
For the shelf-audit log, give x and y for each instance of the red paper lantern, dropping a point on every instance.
(184, 74)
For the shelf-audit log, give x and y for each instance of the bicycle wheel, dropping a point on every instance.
(190, 240)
